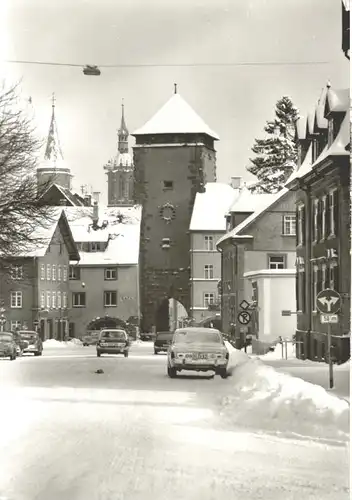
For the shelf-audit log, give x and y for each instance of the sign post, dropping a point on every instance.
(329, 303)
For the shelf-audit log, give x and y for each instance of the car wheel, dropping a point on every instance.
(156, 352)
(223, 373)
(38, 353)
(125, 354)
(13, 357)
(172, 373)
(98, 354)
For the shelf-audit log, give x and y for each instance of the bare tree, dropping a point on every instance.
(23, 216)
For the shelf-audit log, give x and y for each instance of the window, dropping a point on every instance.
(48, 300)
(277, 262)
(289, 225)
(53, 272)
(301, 225)
(209, 243)
(17, 272)
(110, 273)
(75, 273)
(48, 272)
(64, 300)
(65, 273)
(301, 289)
(333, 276)
(15, 324)
(209, 299)
(314, 288)
(78, 299)
(59, 273)
(59, 300)
(168, 184)
(53, 300)
(315, 215)
(95, 246)
(110, 299)
(323, 218)
(42, 272)
(333, 212)
(42, 300)
(16, 300)
(208, 272)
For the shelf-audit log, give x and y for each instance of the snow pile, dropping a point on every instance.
(74, 342)
(266, 399)
(54, 343)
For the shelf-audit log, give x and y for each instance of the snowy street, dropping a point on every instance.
(132, 433)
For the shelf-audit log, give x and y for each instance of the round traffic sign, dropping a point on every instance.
(328, 301)
(244, 317)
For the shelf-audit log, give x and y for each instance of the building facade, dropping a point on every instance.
(323, 226)
(207, 225)
(105, 282)
(119, 170)
(35, 295)
(174, 157)
(263, 240)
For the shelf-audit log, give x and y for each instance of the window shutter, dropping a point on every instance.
(303, 215)
(283, 224)
(336, 212)
(327, 216)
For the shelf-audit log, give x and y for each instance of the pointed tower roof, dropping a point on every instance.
(176, 117)
(53, 150)
(123, 130)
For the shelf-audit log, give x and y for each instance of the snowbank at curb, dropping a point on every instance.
(266, 399)
(56, 344)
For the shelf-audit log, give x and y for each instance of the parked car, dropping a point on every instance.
(197, 349)
(20, 342)
(34, 342)
(8, 346)
(162, 341)
(113, 341)
(90, 338)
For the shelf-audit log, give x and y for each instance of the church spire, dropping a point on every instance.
(53, 150)
(123, 132)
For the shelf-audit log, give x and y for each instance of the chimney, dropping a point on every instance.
(236, 182)
(95, 213)
(88, 200)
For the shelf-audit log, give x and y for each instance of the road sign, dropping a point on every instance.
(244, 305)
(328, 301)
(244, 317)
(329, 318)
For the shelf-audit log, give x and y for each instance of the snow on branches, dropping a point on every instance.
(276, 154)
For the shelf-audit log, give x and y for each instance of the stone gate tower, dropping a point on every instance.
(174, 157)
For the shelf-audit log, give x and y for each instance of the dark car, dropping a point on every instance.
(113, 341)
(8, 346)
(162, 342)
(21, 343)
(147, 336)
(34, 342)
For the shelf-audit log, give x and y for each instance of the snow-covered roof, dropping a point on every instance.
(270, 200)
(120, 160)
(176, 117)
(305, 167)
(347, 4)
(340, 145)
(337, 100)
(211, 207)
(246, 201)
(301, 127)
(120, 230)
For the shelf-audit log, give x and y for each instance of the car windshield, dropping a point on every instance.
(6, 337)
(164, 336)
(111, 334)
(189, 337)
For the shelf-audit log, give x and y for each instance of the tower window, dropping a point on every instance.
(168, 184)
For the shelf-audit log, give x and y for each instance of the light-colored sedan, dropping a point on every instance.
(197, 349)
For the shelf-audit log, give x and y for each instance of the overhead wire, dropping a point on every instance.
(173, 65)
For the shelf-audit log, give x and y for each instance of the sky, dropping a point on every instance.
(233, 100)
